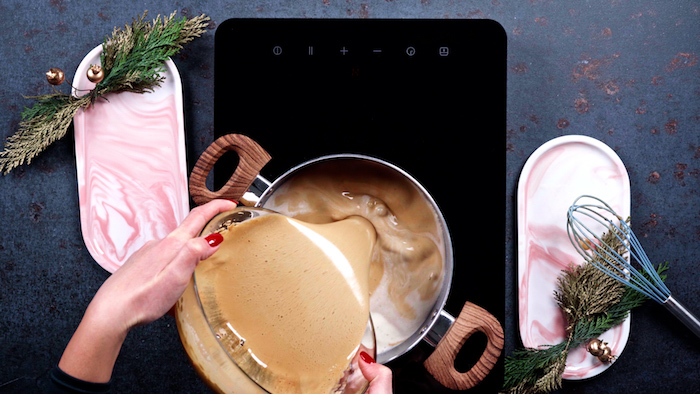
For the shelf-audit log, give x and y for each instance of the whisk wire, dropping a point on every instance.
(595, 251)
(623, 275)
(612, 259)
(655, 284)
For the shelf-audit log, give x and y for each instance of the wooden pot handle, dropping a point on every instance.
(251, 159)
(441, 364)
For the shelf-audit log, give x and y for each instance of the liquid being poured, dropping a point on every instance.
(407, 269)
(288, 300)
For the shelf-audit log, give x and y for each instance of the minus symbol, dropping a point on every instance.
(377, 50)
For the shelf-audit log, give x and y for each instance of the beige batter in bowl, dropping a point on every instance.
(225, 361)
(208, 358)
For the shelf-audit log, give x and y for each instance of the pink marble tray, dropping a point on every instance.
(131, 166)
(554, 175)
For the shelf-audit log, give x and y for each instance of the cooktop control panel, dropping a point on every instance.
(426, 95)
(405, 90)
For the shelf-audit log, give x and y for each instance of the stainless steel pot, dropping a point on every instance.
(440, 329)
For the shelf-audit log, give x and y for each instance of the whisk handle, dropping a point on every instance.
(683, 314)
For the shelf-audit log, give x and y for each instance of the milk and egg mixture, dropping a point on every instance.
(288, 300)
(407, 268)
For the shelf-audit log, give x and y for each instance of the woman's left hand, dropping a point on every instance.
(148, 284)
(152, 280)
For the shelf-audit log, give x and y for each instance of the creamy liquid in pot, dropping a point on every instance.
(407, 266)
(289, 300)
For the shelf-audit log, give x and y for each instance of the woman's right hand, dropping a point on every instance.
(378, 375)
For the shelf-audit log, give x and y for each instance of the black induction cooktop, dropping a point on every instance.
(426, 95)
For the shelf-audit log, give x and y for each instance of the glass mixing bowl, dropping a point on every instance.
(222, 356)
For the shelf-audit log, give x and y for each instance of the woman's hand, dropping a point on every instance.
(379, 376)
(153, 279)
(148, 284)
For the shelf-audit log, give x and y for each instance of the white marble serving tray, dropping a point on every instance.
(131, 166)
(553, 177)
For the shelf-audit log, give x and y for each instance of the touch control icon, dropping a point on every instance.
(410, 51)
(444, 51)
(277, 50)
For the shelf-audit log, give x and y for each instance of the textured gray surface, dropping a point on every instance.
(624, 72)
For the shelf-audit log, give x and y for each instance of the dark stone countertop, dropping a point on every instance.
(624, 72)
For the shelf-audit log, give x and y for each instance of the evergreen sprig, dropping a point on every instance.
(132, 60)
(592, 303)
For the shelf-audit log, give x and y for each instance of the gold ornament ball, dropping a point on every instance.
(596, 347)
(606, 356)
(95, 74)
(55, 76)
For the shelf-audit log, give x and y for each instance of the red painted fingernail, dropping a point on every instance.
(214, 239)
(366, 358)
(233, 201)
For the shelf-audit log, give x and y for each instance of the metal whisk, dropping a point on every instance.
(587, 221)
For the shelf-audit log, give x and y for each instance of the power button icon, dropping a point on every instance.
(277, 50)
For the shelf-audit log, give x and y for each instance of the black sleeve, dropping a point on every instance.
(61, 383)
